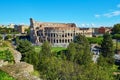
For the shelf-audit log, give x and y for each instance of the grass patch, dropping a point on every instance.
(37, 48)
(3, 48)
(35, 73)
(54, 49)
(57, 49)
(97, 40)
(6, 55)
(5, 76)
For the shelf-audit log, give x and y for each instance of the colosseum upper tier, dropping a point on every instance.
(57, 34)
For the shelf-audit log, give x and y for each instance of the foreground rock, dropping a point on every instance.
(20, 71)
(2, 63)
(17, 55)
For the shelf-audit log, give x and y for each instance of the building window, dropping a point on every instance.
(57, 41)
(40, 25)
(62, 35)
(45, 33)
(60, 41)
(41, 41)
(63, 41)
(76, 33)
(68, 40)
(54, 40)
(68, 34)
(51, 34)
(48, 40)
(48, 34)
(71, 34)
(41, 34)
(37, 33)
(37, 28)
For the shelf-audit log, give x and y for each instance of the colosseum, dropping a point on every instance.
(57, 34)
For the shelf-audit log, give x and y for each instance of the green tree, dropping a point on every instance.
(8, 37)
(117, 77)
(6, 30)
(116, 36)
(6, 55)
(116, 29)
(28, 52)
(32, 57)
(96, 72)
(24, 46)
(83, 55)
(1, 37)
(107, 50)
(46, 49)
(102, 61)
(16, 40)
(45, 52)
(9, 56)
(44, 62)
(71, 51)
(51, 67)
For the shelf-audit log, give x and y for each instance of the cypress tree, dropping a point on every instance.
(107, 50)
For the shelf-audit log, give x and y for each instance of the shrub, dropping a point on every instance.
(5, 76)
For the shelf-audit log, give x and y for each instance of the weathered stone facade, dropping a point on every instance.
(58, 34)
(20, 71)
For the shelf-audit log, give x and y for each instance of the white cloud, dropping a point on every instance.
(118, 5)
(92, 24)
(97, 15)
(112, 14)
(83, 25)
(78, 25)
(87, 25)
(109, 14)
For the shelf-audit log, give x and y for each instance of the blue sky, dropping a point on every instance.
(81, 12)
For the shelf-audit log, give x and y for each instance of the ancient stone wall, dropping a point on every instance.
(58, 34)
(20, 71)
